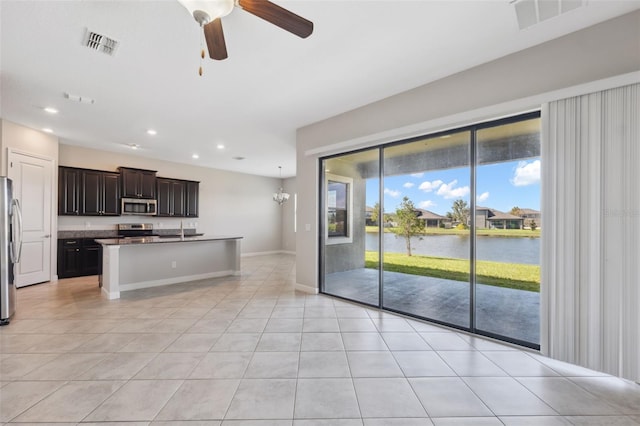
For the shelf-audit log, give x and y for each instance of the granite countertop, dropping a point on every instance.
(158, 240)
(98, 233)
(113, 233)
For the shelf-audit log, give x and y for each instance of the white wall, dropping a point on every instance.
(509, 85)
(23, 139)
(288, 216)
(230, 203)
(27, 140)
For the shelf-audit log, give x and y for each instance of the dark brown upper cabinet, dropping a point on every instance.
(84, 192)
(193, 195)
(100, 193)
(177, 198)
(138, 183)
(69, 191)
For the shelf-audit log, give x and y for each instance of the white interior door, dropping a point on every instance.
(32, 185)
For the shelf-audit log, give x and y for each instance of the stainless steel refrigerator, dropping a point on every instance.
(10, 248)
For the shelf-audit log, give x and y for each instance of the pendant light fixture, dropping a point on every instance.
(280, 197)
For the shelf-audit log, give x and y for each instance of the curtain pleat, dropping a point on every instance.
(590, 306)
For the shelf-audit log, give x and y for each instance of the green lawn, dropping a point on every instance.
(511, 275)
(481, 232)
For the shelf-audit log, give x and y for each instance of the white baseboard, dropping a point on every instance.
(267, 253)
(305, 288)
(174, 280)
(112, 295)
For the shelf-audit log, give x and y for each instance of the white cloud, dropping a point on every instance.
(417, 175)
(392, 193)
(482, 197)
(448, 190)
(426, 204)
(430, 186)
(409, 185)
(526, 173)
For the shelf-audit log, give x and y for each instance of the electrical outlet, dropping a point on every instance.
(174, 264)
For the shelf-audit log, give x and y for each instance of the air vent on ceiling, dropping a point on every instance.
(531, 12)
(101, 43)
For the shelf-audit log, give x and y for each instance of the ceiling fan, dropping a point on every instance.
(209, 14)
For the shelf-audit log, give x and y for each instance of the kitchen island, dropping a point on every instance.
(135, 263)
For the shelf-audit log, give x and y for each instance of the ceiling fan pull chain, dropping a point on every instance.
(201, 52)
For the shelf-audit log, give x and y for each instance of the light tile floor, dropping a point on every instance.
(251, 351)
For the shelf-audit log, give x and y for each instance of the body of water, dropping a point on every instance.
(497, 249)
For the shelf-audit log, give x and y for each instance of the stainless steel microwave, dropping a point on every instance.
(139, 207)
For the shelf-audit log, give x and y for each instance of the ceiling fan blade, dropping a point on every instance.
(215, 40)
(278, 16)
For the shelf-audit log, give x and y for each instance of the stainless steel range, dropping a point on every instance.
(135, 230)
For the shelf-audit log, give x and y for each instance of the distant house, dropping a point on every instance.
(431, 219)
(495, 219)
(368, 213)
(531, 215)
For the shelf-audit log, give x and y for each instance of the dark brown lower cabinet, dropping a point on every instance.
(79, 257)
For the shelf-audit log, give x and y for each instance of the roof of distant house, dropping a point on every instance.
(497, 214)
(426, 214)
(530, 211)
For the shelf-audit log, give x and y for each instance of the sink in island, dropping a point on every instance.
(140, 262)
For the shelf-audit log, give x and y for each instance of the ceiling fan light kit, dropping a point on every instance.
(206, 11)
(209, 15)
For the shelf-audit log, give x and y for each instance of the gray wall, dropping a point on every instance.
(509, 85)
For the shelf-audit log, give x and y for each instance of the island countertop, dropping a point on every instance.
(164, 239)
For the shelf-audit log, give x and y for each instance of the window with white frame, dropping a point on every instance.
(339, 209)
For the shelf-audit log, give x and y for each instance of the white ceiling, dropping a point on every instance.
(272, 83)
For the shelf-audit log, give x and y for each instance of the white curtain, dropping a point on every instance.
(591, 239)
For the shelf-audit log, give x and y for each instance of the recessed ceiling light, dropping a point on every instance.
(195, 156)
(48, 130)
(152, 132)
(51, 110)
(220, 146)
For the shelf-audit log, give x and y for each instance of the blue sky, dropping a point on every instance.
(500, 186)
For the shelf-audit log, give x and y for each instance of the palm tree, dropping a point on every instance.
(459, 212)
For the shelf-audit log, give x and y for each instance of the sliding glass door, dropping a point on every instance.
(351, 209)
(507, 229)
(444, 227)
(426, 261)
